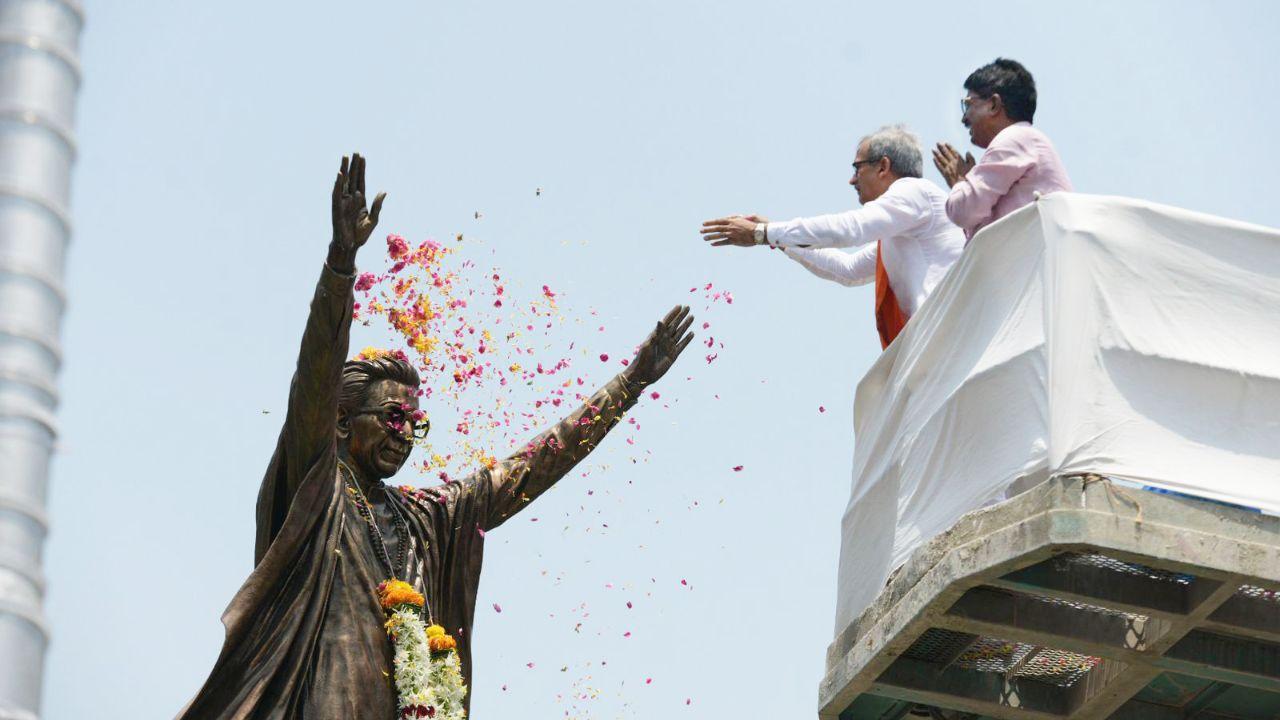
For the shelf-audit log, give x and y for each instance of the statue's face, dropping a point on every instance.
(376, 437)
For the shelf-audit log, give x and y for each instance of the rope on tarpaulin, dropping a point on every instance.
(1115, 493)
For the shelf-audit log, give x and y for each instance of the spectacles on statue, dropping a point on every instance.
(396, 420)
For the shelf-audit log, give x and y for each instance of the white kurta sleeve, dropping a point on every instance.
(849, 269)
(900, 209)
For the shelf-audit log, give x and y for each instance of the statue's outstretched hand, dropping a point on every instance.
(662, 347)
(353, 222)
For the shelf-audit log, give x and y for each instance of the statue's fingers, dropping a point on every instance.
(684, 327)
(377, 207)
(337, 189)
(345, 173)
(675, 315)
(670, 316)
(359, 173)
(678, 319)
(684, 343)
(672, 339)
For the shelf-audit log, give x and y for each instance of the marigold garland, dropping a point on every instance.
(442, 643)
(398, 592)
(428, 674)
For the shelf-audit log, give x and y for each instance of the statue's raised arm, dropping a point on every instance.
(516, 481)
(309, 431)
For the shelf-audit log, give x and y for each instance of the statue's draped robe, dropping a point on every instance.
(304, 635)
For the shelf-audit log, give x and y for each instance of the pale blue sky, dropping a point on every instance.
(209, 132)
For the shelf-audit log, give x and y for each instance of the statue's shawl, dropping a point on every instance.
(304, 634)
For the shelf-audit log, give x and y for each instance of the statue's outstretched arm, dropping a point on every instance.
(528, 473)
(309, 426)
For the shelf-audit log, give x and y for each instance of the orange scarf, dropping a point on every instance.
(889, 316)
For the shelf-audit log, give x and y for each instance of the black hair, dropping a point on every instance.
(1011, 81)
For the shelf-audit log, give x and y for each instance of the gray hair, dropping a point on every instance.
(900, 145)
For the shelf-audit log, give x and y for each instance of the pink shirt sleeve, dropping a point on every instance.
(973, 200)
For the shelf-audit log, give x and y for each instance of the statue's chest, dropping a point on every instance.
(381, 549)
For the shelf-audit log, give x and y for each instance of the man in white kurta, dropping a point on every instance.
(902, 235)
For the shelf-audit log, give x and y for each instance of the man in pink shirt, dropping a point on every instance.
(1019, 160)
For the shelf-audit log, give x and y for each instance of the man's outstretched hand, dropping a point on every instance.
(950, 163)
(353, 222)
(661, 348)
(732, 230)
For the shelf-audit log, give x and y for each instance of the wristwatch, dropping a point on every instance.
(760, 233)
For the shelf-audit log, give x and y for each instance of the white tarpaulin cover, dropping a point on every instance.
(1079, 334)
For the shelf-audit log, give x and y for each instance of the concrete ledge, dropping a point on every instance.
(1072, 600)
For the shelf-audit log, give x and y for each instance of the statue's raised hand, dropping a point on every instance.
(661, 348)
(353, 222)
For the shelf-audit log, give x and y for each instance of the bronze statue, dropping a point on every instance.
(304, 634)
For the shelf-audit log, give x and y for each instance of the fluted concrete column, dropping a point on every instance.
(39, 80)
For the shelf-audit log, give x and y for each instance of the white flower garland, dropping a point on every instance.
(429, 685)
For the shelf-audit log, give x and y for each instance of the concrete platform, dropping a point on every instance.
(1078, 599)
